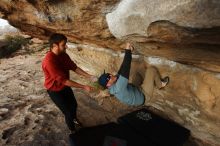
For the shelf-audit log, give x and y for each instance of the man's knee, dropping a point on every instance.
(137, 79)
(152, 68)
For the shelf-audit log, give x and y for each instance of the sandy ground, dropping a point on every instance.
(27, 115)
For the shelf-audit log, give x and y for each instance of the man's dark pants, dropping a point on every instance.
(66, 102)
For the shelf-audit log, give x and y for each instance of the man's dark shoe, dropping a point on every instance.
(76, 122)
(78, 125)
(72, 131)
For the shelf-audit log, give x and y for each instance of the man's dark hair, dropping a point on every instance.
(56, 38)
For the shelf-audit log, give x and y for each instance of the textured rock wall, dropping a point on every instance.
(81, 21)
(182, 38)
(134, 17)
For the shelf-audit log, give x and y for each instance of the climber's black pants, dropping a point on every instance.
(66, 102)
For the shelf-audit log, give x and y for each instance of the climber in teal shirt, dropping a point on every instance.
(119, 87)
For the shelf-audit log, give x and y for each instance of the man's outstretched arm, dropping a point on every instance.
(126, 64)
(77, 85)
(85, 74)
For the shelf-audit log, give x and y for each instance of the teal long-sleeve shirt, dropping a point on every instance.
(127, 93)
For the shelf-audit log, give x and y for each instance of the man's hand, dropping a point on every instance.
(129, 47)
(93, 79)
(87, 88)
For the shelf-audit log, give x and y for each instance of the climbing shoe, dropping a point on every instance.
(164, 81)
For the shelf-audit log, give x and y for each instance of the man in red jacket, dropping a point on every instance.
(56, 66)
